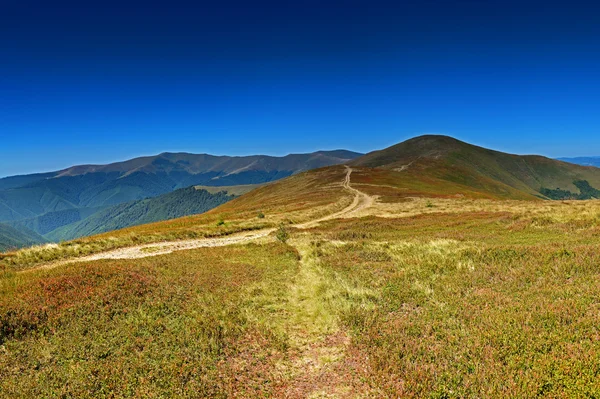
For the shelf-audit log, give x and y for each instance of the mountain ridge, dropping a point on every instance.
(583, 161)
(183, 158)
(28, 196)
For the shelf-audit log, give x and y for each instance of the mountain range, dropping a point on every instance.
(91, 199)
(585, 161)
(45, 202)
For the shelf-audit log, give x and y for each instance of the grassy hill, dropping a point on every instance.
(298, 198)
(442, 161)
(437, 289)
(460, 297)
(427, 166)
(12, 238)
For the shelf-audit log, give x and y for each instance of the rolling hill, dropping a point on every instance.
(442, 165)
(85, 186)
(457, 297)
(425, 166)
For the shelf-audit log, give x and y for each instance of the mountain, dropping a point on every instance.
(584, 161)
(70, 224)
(96, 186)
(444, 162)
(11, 238)
(425, 166)
(51, 221)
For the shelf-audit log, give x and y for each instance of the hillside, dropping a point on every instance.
(11, 237)
(74, 193)
(444, 161)
(74, 223)
(183, 202)
(441, 296)
(48, 222)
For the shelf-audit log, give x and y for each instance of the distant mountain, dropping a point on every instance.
(182, 202)
(12, 238)
(585, 161)
(94, 186)
(479, 169)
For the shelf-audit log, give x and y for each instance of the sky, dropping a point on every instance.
(100, 81)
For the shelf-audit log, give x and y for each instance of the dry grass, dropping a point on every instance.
(422, 297)
(168, 326)
(473, 305)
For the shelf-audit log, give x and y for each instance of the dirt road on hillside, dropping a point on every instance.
(360, 202)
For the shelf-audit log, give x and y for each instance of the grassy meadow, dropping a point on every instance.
(418, 297)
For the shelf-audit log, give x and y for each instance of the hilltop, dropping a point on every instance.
(450, 164)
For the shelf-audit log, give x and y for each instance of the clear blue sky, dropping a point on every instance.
(101, 81)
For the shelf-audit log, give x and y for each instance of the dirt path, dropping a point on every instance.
(361, 201)
(317, 365)
(161, 248)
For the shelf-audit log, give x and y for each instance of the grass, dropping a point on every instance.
(437, 297)
(32, 256)
(302, 197)
(469, 307)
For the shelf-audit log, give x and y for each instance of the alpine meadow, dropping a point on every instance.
(299, 199)
(429, 269)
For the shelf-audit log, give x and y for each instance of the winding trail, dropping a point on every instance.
(361, 201)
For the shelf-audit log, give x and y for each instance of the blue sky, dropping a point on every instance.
(95, 82)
